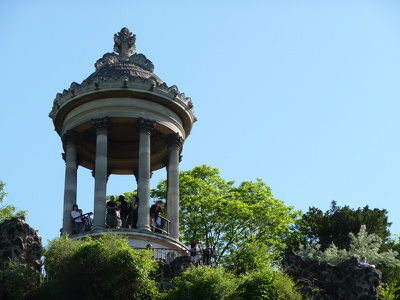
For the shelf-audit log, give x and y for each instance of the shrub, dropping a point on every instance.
(19, 282)
(204, 283)
(266, 284)
(106, 268)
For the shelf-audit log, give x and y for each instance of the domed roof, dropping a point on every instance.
(127, 62)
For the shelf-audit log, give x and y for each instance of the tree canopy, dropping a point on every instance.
(335, 224)
(218, 212)
(8, 211)
(362, 244)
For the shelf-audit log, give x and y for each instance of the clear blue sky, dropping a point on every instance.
(302, 94)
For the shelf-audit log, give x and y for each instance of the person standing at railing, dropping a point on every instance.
(77, 219)
(207, 254)
(195, 250)
(111, 218)
(155, 211)
(133, 215)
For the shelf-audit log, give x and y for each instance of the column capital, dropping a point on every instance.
(71, 138)
(174, 140)
(78, 158)
(102, 125)
(145, 125)
(109, 172)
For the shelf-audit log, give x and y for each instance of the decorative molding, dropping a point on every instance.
(145, 125)
(124, 43)
(102, 124)
(138, 83)
(136, 60)
(127, 70)
(174, 140)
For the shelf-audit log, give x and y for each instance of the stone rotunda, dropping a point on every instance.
(125, 120)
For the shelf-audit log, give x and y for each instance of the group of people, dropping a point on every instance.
(122, 215)
(82, 222)
(197, 252)
(119, 215)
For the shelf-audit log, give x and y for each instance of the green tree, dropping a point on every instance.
(8, 211)
(391, 274)
(259, 279)
(334, 225)
(105, 268)
(224, 215)
(362, 244)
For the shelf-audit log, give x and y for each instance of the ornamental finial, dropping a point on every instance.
(124, 43)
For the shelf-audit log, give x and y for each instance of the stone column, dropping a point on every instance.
(174, 144)
(145, 127)
(70, 140)
(102, 126)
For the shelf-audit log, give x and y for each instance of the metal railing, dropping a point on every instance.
(167, 255)
(165, 231)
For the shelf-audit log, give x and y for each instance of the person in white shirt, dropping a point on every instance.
(364, 263)
(77, 219)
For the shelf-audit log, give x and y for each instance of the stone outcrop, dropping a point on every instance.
(167, 272)
(320, 280)
(19, 243)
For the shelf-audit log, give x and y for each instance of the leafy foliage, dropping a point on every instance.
(214, 210)
(258, 278)
(251, 257)
(334, 225)
(204, 283)
(19, 282)
(267, 285)
(8, 211)
(363, 244)
(389, 291)
(104, 268)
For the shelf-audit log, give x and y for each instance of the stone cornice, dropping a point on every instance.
(126, 82)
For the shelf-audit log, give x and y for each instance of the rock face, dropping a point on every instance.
(19, 243)
(167, 272)
(320, 280)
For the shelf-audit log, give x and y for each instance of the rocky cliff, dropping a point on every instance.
(320, 280)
